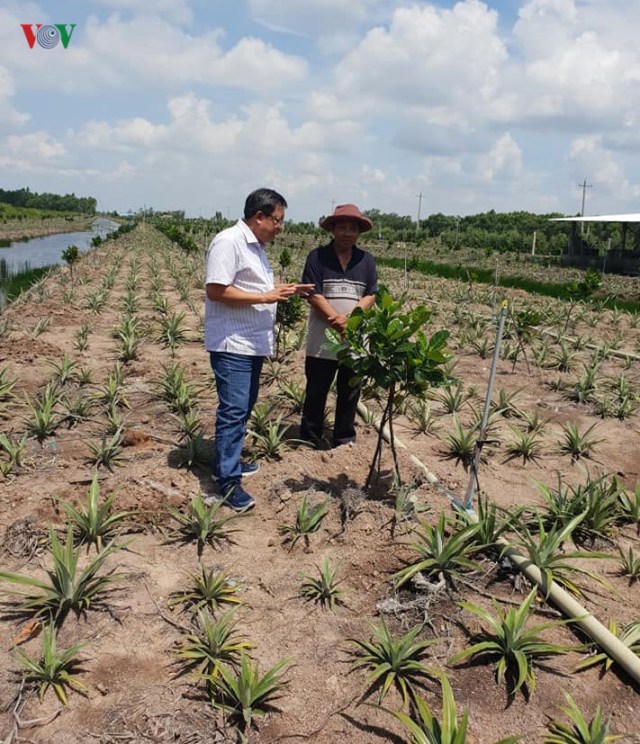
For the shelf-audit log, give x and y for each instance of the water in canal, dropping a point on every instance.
(21, 257)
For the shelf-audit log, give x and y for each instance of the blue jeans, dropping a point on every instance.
(237, 381)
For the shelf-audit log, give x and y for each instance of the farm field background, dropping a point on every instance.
(577, 366)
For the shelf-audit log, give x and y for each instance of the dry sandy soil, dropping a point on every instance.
(129, 665)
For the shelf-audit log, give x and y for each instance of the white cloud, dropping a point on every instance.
(606, 173)
(331, 25)
(123, 169)
(208, 152)
(9, 116)
(6, 83)
(158, 54)
(147, 51)
(312, 16)
(254, 65)
(446, 76)
(193, 127)
(588, 75)
(123, 136)
(178, 11)
(578, 63)
(373, 175)
(544, 26)
(430, 66)
(504, 160)
(35, 146)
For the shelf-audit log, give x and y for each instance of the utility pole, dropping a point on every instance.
(419, 205)
(584, 186)
(333, 201)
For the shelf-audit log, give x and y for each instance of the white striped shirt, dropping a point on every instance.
(236, 258)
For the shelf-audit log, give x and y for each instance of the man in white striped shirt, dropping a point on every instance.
(240, 308)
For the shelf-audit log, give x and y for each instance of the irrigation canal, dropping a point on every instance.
(23, 256)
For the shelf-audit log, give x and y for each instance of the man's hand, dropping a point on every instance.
(338, 322)
(283, 291)
(234, 297)
(305, 290)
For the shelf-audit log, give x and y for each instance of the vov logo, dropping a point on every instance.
(48, 36)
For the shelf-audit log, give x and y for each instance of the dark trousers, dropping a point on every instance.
(320, 374)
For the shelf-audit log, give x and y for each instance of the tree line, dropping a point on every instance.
(53, 202)
(492, 232)
(501, 232)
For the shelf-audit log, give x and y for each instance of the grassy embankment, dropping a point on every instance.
(23, 223)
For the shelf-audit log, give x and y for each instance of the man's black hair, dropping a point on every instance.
(263, 200)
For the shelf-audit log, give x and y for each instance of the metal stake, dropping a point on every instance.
(473, 478)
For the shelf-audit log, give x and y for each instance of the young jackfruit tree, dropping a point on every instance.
(386, 348)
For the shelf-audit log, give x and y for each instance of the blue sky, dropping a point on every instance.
(190, 104)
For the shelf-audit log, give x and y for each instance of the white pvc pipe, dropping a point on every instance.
(612, 646)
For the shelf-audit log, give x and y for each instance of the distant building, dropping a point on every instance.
(620, 258)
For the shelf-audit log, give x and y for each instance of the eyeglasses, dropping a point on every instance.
(278, 221)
